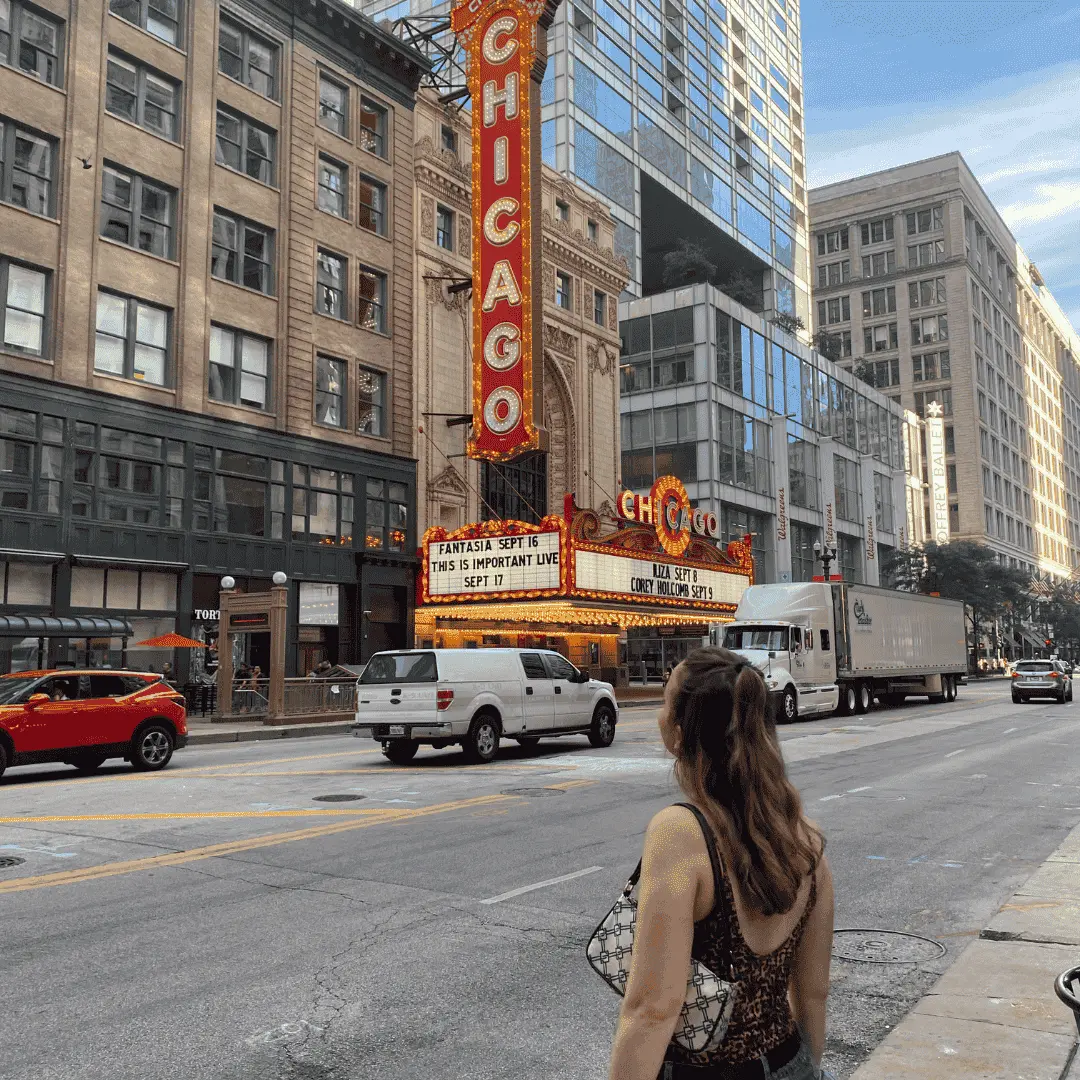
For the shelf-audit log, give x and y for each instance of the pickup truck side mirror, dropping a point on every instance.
(581, 677)
(38, 699)
(772, 654)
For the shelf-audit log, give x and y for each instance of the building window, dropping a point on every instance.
(18, 436)
(743, 445)
(372, 310)
(879, 301)
(332, 274)
(930, 328)
(372, 127)
(931, 366)
(159, 17)
(245, 146)
(599, 307)
(884, 262)
(926, 293)
(562, 290)
(943, 396)
(837, 310)
(920, 221)
(372, 215)
(239, 367)
(125, 482)
(834, 273)
(247, 57)
(877, 232)
(233, 495)
(329, 391)
(444, 228)
(803, 561)
(848, 489)
(594, 231)
(137, 212)
(879, 373)
(831, 242)
(333, 187)
(26, 169)
(448, 138)
(132, 339)
(926, 254)
(322, 508)
(387, 516)
(371, 402)
(22, 320)
(333, 106)
(562, 210)
(141, 95)
(517, 490)
(243, 252)
(30, 41)
(879, 338)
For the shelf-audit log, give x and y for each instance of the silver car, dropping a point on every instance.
(1041, 678)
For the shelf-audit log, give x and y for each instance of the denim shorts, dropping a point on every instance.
(800, 1067)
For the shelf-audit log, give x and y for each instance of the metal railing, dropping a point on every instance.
(303, 696)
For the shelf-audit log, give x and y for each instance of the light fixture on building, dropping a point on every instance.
(228, 582)
(279, 578)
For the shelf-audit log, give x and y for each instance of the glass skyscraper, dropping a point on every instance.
(686, 116)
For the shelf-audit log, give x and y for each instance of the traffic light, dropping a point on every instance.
(1049, 643)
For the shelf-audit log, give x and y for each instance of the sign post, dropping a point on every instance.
(506, 52)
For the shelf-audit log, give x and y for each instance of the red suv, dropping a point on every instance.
(84, 717)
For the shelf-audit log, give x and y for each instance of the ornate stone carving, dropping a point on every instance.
(602, 359)
(426, 148)
(464, 234)
(427, 219)
(612, 313)
(448, 482)
(560, 421)
(436, 280)
(560, 340)
(549, 281)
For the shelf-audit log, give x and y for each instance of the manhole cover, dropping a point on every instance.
(10, 860)
(533, 792)
(885, 947)
(337, 798)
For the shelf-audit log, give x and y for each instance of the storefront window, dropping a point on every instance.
(322, 508)
(98, 588)
(31, 463)
(387, 520)
(803, 538)
(517, 490)
(736, 522)
(849, 556)
(26, 584)
(232, 494)
(802, 473)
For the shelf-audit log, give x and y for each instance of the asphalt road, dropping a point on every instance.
(218, 920)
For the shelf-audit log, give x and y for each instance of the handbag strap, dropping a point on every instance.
(719, 895)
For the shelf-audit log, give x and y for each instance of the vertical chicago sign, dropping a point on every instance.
(506, 50)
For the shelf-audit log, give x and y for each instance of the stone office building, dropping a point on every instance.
(206, 339)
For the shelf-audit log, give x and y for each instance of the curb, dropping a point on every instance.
(266, 734)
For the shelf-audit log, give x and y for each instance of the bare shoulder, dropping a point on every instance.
(674, 834)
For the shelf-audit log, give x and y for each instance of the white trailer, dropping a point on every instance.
(836, 647)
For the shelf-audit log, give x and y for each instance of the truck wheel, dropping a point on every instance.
(864, 699)
(789, 706)
(950, 688)
(400, 751)
(847, 699)
(602, 732)
(482, 743)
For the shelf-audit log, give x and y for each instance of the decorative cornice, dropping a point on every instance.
(571, 244)
(448, 482)
(425, 149)
(559, 340)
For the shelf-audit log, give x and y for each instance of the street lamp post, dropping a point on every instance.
(826, 554)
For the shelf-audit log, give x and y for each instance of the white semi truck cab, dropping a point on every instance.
(835, 647)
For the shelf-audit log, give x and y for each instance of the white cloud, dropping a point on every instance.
(1020, 137)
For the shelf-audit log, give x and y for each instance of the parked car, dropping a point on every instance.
(1041, 678)
(474, 697)
(83, 718)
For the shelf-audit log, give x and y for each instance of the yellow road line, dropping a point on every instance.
(233, 847)
(418, 770)
(179, 816)
(566, 785)
(359, 751)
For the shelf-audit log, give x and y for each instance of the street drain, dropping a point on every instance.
(7, 861)
(533, 792)
(337, 798)
(885, 947)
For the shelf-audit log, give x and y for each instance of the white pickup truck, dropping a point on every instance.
(474, 697)
(834, 647)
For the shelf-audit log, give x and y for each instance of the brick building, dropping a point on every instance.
(206, 332)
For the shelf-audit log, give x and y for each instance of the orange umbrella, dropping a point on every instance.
(172, 641)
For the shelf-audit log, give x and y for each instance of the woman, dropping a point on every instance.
(776, 903)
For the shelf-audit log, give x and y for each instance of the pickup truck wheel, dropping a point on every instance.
(864, 699)
(847, 699)
(482, 742)
(602, 732)
(87, 763)
(151, 748)
(401, 751)
(789, 706)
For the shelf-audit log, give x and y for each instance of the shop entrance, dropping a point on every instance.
(649, 655)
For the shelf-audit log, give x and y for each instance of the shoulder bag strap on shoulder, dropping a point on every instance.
(719, 897)
(633, 879)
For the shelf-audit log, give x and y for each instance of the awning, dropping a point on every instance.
(1031, 639)
(76, 626)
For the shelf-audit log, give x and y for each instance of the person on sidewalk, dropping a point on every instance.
(774, 920)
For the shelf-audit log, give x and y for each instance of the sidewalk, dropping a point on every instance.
(994, 1015)
(202, 732)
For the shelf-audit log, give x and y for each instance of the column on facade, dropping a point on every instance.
(827, 485)
(903, 526)
(869, 508)
(783, 494)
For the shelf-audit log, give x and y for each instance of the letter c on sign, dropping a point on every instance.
(497, 355)
(504, 26)
(492, 232)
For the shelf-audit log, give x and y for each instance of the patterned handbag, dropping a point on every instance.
(706, 1012)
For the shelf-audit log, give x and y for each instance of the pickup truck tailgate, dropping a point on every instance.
(401, 705)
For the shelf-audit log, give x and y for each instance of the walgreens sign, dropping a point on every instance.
(505, 61)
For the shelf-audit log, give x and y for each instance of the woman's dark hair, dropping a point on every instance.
(729, 762)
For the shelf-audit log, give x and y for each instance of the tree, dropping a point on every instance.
(742, 288)
(685, 264)
(790, 324)
(827, 344)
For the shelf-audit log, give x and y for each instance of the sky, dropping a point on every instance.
(893, 81)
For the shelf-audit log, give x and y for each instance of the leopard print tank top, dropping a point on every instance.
(762, 1016)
